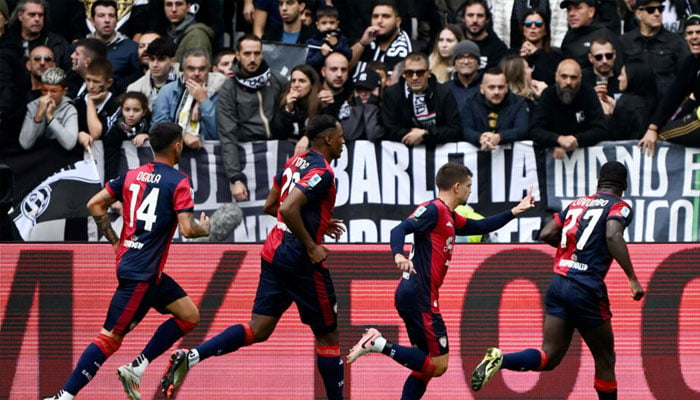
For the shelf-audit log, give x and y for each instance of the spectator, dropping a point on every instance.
(466, 77)
(361, 116)
(677, 11)
(383, 40)
(477, 20)
(601, 75)
(496, 116)
(98, 107)
(246, 105)
(519, 79)
(190, 101)
(86, 50)
(583, 28)
(185, 31)
(292, 30)
(569, 114)
(161, 69)
(4, 16)
(267, 17)
(27, 30)
(684, 129)
(380, 68)
(144, 40)
(328, 39)
(652, 44)
(335, 88)
(223, 63)
(52, 116)
(441, 57)
(122, 52)
(419, 110)
(536, 45)
(636, 105)
(299, 103)
(40, 59)
(132, 124)
(508, 16)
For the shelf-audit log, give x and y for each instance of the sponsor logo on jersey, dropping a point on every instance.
(419, 211)
(625, 211)
(314, 180)
(573, 265)
(443, 341)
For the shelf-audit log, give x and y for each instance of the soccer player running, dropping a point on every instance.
(156, 199)
(587, 235)
(292, 263)
(434, 225)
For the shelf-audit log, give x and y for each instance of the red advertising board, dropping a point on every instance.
(53, 299)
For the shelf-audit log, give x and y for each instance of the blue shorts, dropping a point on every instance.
(576, 303)
(311, 288)
(426, 329)
(133, 299)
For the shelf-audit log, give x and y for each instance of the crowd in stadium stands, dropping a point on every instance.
(564, 74)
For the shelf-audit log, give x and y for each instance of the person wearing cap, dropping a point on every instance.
(588, 235)
(650, 43)
(52, 116)
(466, 76)
(477, 20)
(685, 129)
(360, 116)
(162, 69)
(583, 28)
(495, 116)
(418, 109)
(568, 114)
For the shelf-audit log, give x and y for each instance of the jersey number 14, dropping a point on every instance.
(147, 209)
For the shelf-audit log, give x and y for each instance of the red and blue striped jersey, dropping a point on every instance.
(151, 197)
(433, 225)
(311, 173)
(583, 253)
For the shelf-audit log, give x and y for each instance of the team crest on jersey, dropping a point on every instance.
(443, 341)
(625, 211)
(419, 211)
(314, 180)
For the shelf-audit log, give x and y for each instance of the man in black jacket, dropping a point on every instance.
(495, 116)
(418, 109)
(477, 20)
(569, 114)
(652, 44)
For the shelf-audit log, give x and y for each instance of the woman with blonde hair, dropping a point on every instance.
(441, 57)
(519, 78)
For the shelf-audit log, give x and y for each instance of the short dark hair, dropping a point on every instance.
(221, 54)
(163, 135)
(161, 47)
(487, 10)
(319, 125)
(103, 3)
(248, 36)
(613, 173)
(141, 98)
(418, 56)
(451, 173)
(95, 47)
(493, 71)
(388, 3)
(327, 11)
(100, 67)
(377, 66)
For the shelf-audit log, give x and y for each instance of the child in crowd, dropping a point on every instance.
(98, 108)
(51, 116)
(360, 116)
(328, 39)
(223, 63)
(131, 124)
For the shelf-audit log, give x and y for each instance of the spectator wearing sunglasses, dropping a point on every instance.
(685, 129)
(536, 45)
(650, 43)
(419, 110)
(40, 59)
(583, 28)
(602, 75)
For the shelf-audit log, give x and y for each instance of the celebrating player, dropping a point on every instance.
(434, 225)
(587, 235)
(156, 198)
(292, 265)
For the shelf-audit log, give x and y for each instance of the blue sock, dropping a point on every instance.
(331, 370)
(607, 395)
(413, 388)
(230, 340)
(526, 360)
(90, 361)
(410, 357)
(167, 333)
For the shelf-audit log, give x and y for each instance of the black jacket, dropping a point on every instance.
(512, 122)
(582, 118)
(686, 82)
(630, 119)
(577, 42)
(362, 121)
(397, 113)
(492, 50)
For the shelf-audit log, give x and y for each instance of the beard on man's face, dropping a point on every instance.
(567, 93)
